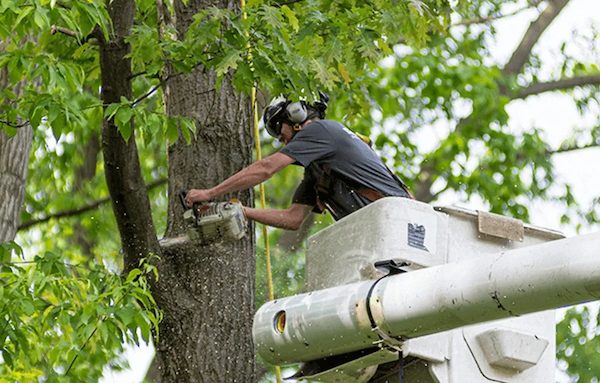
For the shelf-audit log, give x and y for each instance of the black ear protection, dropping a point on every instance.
(282, 110)
(321, 105)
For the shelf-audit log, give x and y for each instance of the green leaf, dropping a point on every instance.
(188, 128)
(27, 307)
(344, 73)
(8, 358)
(291, 16)
(126, 315)
(133, 274)
(25, 12)
(228, 62)
(144, 329)
(36, 117)
(122, 120)
(40, 18)
(111, 110)
(172, 130)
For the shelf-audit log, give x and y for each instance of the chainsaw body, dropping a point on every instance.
(215, 221)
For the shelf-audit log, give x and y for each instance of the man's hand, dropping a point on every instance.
(197, 195)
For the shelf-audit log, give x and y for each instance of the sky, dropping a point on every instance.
(554, 113)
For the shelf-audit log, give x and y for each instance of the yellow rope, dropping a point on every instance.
(261, 189)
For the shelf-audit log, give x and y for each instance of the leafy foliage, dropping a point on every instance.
(81, 314)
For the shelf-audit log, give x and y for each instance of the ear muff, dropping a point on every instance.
(297, 112)
(321, 105)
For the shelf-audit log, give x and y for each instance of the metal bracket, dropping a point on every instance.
(500, 226)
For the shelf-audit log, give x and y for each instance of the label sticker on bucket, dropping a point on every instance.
(416, 236)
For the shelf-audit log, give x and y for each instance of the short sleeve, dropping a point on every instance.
(310, 144)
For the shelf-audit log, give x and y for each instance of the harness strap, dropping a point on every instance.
(323, 184)
(325, 178)
(402, 184)
(370, 194)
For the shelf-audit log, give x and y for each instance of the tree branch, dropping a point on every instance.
(566, 83)
(565, 149)
(147, 94)
(485, 20)
(13, 124)
(532, 35)
(80, 210)
(55, 29)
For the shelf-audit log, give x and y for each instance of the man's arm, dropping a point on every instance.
(290, 218)
(246, 178)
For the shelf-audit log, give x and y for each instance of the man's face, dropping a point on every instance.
(286, 134)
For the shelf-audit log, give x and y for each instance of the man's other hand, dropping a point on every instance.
(197, 195)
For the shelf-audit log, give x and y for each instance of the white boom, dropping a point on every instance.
(465, 310)
(335, 321)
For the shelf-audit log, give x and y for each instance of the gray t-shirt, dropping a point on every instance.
(328, 144)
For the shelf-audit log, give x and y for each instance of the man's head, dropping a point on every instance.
(282, 112)
(288, 131)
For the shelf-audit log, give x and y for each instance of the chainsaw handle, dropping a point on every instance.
(182, 195)
(195, 206)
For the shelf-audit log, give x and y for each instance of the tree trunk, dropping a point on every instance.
(121, 161)
(83, 174)
(14, 160)
(206, 332)
(206, 293)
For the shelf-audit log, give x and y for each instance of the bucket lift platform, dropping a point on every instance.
(464, 309)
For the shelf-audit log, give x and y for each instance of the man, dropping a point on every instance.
(342, 173)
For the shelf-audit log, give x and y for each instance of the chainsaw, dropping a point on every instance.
(213, 221)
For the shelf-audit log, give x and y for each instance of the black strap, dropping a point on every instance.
(322, 184)
(401, 370)
(369, 313)
(402, 184)
(393, 268)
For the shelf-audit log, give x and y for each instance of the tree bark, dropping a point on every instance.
(122, 166)
(208, 292)
(14, 161)
(14, 158)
